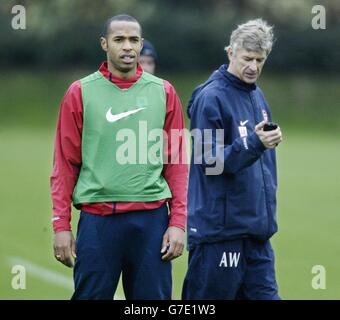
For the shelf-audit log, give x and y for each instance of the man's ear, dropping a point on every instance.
(229, 52)
(103, 43)
(142, 43)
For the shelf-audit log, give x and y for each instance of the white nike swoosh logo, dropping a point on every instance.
(115, 117)
(242, 123)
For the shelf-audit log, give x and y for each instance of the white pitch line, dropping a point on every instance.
(43, 273)
(46, 275)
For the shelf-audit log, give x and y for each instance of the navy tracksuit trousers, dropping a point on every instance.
(128, 244)
(240, 269)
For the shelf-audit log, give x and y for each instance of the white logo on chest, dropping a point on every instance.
(115, 117)
(243, 129)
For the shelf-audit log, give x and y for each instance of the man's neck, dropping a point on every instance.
(230, 70)
(122, 75)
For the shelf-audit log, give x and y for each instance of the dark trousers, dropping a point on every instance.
(231, 270)
(127, 244)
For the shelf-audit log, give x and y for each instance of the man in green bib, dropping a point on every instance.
(113, 159)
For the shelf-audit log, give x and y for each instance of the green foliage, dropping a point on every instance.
(186, 34)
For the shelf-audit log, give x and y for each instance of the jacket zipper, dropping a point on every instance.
(254, 105)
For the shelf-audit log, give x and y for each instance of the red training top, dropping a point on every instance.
(67, 159)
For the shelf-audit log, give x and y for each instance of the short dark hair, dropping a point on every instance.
(120, 17)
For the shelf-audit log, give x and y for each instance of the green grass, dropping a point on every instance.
(308, 214)
(30, 99)
(309, 181)
(25, 229)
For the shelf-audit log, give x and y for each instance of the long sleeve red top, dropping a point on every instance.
(68, 160)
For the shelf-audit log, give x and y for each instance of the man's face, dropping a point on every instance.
(148, 63)
(123, 44)
(246, 65)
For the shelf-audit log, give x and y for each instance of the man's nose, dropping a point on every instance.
(127, 45)
(253, 65)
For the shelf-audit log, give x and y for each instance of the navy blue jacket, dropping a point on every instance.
(240, 201)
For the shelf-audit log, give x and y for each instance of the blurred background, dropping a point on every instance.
(301, 81)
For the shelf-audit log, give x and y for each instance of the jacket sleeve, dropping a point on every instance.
(175, 169)
(210, 149)
(67, 157)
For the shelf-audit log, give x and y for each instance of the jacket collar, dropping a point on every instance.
(235, 81)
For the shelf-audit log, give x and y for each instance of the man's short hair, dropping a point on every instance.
(120, 17)
(254, 35)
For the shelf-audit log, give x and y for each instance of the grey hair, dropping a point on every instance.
(254, 35)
